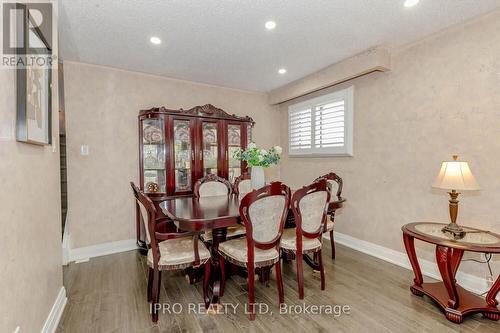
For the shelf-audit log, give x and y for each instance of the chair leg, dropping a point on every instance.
(156, 293)
(279, 281)
(222, 266)
(321, 270)
(150, 284)
(251, 295)
(332, 244)
(206, 280)
(300, 275)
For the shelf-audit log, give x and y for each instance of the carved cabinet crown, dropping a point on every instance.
(206, 111)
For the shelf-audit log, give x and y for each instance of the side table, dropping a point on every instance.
(454, 300)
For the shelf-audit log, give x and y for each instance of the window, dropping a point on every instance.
(322, 126)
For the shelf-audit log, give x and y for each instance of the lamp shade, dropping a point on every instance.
(456, 176)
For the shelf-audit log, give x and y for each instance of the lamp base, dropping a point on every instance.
(453, 229)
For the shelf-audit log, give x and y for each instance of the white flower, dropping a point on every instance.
(278, 150)
(252, 145)
(263, 152)
(260, 158)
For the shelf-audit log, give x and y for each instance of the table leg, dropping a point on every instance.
(447, 264)
(218, 236)
(412, 256)
(448, 261)
(456, 259)
(491, 300)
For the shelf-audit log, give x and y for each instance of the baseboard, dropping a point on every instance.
(87, 252)
(470, 282)
(56, 312)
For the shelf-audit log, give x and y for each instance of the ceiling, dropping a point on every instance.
(225, 43)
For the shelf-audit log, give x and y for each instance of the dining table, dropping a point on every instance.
(217, 213)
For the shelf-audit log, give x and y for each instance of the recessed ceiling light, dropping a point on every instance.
(270, 25)
(282, 70)
(155, 40)
(411, 3)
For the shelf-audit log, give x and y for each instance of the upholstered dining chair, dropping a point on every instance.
(242, 185)
(164, 223)
(333, 181)
(263, 212)
(309, 206)
(169, 251)
(213, 185)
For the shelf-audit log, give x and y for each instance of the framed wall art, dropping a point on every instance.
(33, 80)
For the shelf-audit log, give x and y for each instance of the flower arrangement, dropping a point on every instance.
(259, 157)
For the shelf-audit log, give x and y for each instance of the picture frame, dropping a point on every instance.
(33, 85)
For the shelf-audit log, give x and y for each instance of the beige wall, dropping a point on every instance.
(30, 216)
(102, 105)
(442, 97)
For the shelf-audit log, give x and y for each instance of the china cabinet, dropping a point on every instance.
(177, 147)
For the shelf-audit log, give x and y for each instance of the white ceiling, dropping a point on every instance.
(224, 42)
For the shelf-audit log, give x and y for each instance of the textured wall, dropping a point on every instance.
(30, 216)
(102, 105)
(442, 97)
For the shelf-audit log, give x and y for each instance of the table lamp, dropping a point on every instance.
(455, 176)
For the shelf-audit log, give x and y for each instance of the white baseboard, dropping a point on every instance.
(470, 282)
(84, 253)
(56, 312)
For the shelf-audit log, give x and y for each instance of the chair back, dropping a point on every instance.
(264, 212)
(147, 210)
(242, 185)
(333, 181)
(212, 185)
(310, 207)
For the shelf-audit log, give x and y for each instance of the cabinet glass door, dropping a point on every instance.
(233, 144)
(210, 148)
(182, 155)
(153, 154)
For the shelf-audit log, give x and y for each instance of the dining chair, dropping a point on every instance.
(242, 185)
(213, 185)
(333, 180)
(163, 224)
(169, 251)
(263, 212)
(309, 206)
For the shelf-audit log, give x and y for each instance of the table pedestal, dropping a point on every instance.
(216, 279)
(455, 301)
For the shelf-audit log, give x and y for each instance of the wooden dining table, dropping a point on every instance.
(216, 213)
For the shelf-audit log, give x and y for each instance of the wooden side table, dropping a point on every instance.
(454, 300)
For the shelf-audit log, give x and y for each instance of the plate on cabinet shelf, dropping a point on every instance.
(152, 134)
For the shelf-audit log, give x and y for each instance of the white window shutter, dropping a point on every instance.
(329, 125)
(322, 126)
(300, 125)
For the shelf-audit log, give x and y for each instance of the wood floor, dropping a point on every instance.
(108, 294)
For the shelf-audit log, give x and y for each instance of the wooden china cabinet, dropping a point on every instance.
(177, 147)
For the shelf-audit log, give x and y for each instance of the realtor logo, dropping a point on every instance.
(27, 34)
